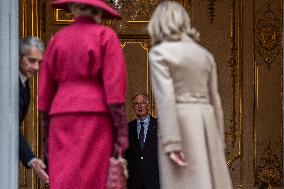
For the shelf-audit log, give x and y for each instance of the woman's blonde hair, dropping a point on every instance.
(85, 10)
(169, 22)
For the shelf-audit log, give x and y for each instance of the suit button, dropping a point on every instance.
(141, 157)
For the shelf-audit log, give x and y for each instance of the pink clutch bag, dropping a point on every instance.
(117, 173)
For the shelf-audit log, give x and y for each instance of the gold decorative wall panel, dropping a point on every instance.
(269, 166)
(30, 25)
(246, 40)
(137, 11)
(268, 82)
(62, 17)
(225, 24)
(268, 30)
(211, 10)
(136, 52)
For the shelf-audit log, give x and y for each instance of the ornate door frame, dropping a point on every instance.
(29, 18)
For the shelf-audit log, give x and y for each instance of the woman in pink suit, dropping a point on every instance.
(82, 88)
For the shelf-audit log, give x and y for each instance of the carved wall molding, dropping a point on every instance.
(268, 36)
(135, 10)
(269, 169)
(234, 131)
(211, 10)
(44, 186)
(268, 132)
(30, 25)
(62, 17)
(233, 62)
(145, 45)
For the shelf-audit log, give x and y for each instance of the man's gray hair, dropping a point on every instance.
(142, 94)
(28, 42)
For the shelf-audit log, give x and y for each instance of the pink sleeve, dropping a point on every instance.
(113, 70)
(46, 83)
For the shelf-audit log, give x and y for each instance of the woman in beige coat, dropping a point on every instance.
(191, 126)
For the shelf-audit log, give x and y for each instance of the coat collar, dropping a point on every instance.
(185, 37)
(147, 120)
(84, 19)
(23, 78)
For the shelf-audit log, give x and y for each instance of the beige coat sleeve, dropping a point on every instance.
(215, 98)
(164, 92)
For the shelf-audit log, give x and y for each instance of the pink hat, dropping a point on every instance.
(108, 11)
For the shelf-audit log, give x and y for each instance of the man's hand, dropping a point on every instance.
(38, 166)
(178, 158)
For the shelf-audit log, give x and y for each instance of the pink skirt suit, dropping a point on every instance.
(83, 72)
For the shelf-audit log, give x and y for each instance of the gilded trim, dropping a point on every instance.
(240, 91)
(23, 32)
(145, 44)
(23, 17)
(134, 9)
(269, 165)
(211, 10)
(236, 64)
(137, 21)
(267, 168)
(255, 95)
(62, 17)
(268, 36)
(35, 120)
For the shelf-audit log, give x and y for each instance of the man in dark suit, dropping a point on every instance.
(142, 153)
(30, 55)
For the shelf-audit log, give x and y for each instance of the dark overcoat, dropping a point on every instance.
(143, 164)
(25, 152)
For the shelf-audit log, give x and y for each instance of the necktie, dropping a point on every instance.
(141, 135)
(26, 93)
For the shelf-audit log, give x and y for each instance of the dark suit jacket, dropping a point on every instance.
(25, 151)
(143, 164)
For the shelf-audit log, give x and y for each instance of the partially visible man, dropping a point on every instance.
(30, 55)
(142, 153)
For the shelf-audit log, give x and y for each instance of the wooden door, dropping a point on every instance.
(244, 36)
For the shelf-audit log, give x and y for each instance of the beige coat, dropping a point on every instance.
(184, 80)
